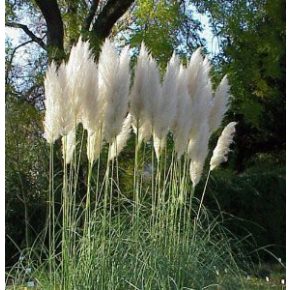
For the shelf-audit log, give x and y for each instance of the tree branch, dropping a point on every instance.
(32, 36)
(8, 65)
(113, 10)
(55, 31)
(92, 12)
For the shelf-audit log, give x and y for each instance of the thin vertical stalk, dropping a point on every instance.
(97, 193)
(88, 201)
(87, 224)
(202, 197)
(51, 219)
(118, 188)
(135, 185)
(65, 254)
(75, 168)
(111, 190)
(104, 220)
(153, 188)
(76, 178)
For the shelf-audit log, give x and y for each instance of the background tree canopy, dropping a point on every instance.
(252, 52)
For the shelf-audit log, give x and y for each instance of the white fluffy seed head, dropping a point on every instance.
(195, 172)
(165, 110)
(94, 145)
(77, 75)
(59, 119)
(69, 146)
(114, 78)
(194, 68)
(145, 132)
(90, 110)
(120, 142)
(199, 88)
(219, 105)
(82, 83)
(197, 152)
(153, 91)
(158, 144)
(182, 124)
(168, 102)
(139, 88)
(220, 153)
(145, 94)
(52, 95)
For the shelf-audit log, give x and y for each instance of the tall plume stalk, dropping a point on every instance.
(172, 117)
(220, 154)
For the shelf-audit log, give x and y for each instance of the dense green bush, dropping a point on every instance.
(254, 202)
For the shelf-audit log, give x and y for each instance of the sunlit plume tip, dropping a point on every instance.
(220, 153)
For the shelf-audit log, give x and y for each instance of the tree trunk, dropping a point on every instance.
(55, 32)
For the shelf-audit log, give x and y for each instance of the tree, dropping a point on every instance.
(55, 20)
(26, 180)
(253, 37)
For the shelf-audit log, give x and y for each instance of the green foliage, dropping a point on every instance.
(156, 26)
(253, 55)
(149, 261)
(165, 26)
(25, 175)
(257, 198)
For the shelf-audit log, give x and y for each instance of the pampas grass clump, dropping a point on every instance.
(151, 237)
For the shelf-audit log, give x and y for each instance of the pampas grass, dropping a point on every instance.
(59, 119)
(121, 140)
(94, 145)
(146, 90)
(70, 145)
(167, 105)
(219, 105)
(197, 152)
(114, 78)
(108, 227)
(220, 152)
(182, 123)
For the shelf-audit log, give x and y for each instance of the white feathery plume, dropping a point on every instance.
(114, 78)
(220, 153)
(207, 66)
(83, 86)
(166, 108)
(145, 131)
(120, 142)
(88, 103)
(219, 105)
(152, 93)
(70, 145)
(145, 94)
(194, 68)
(52, 104)
(158, 144)
(201, 95)
(90, 109)
(139, 88)
(77, 75)
(182, 124)
(195, 172)
(94, 145)
(59, 111)
(200, 91)
(197, 151)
